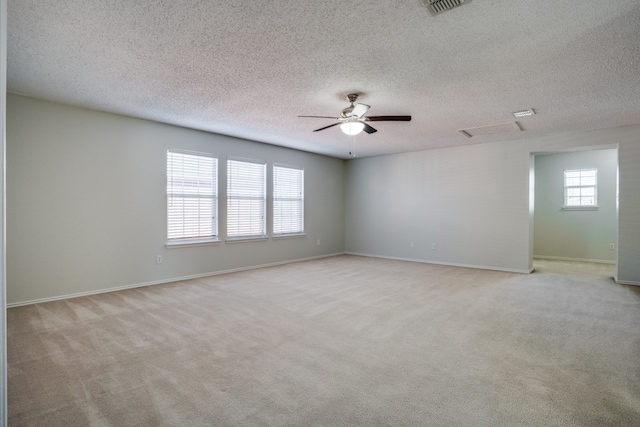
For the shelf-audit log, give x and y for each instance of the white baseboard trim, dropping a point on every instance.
(175, 279)
(626, 282)
(450, 264)
(561, 258)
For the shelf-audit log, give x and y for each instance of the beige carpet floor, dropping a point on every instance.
(574, 268)
(341, 341)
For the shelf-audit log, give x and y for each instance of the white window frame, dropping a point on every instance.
(288, 200)
(195, 222)
(580, 181)
(246, 199)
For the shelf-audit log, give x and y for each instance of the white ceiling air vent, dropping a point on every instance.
(439, 6)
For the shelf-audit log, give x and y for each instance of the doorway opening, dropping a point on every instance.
(574, 227)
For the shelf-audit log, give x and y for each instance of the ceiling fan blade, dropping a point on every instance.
(323, 117)
(326, 127)
(369, 129)
(388, 118)
(359, 110)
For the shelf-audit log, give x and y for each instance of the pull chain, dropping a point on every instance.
(352, 152)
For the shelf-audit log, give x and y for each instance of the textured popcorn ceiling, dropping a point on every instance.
(248, 68)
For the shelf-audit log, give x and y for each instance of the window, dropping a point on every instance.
(288, 200)
(246, 198)
(192, 196)
(580, 188)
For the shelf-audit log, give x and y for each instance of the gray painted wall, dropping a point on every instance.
(474, 202)
(3, 272)
(456, 198)
(86, 200)
(571, 234)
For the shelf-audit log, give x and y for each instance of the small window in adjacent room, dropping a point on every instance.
(192, 197)
(288, 200)
(246, 199)
(581, 188)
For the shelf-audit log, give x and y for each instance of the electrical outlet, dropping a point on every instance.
(318, 242)
(612, 246)
(412, 244)
(159, 259)
(434, 246)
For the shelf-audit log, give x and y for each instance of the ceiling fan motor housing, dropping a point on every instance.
(347, 112)
(352, 97)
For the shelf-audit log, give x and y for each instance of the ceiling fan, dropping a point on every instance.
(352, 120)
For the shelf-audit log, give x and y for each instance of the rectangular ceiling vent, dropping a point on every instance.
(439, 6)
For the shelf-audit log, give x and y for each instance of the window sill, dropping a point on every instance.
(579, 208)
(246, 239)
(288, 236)
(174, 244)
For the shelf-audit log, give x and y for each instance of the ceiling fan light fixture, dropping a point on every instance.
(352, 120)
(352, 128)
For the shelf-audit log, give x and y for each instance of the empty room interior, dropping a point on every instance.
(410, 213)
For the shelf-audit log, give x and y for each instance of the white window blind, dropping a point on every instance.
(246, 198)
(192, 195)
(580, 187)
(288, 200)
